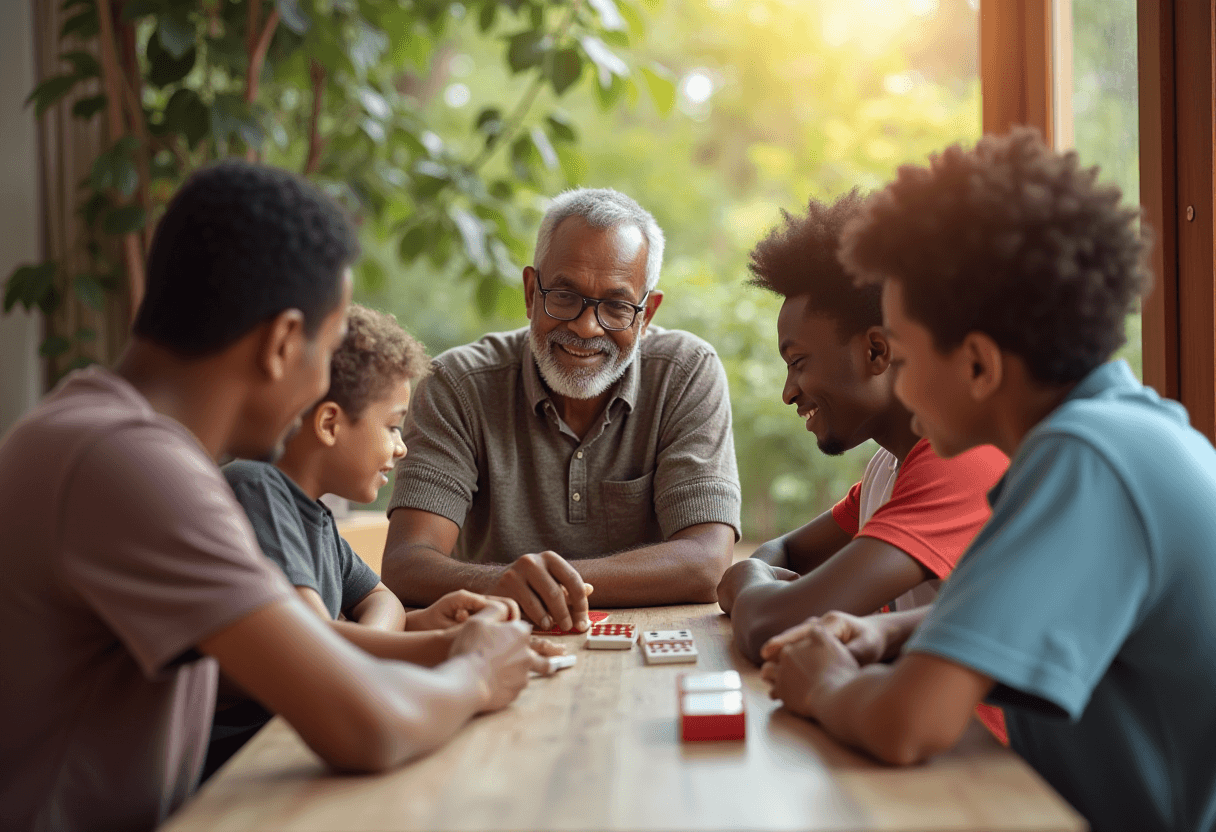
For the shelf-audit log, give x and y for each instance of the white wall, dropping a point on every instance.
(20, 384)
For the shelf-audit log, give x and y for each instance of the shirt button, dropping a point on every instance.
(576, 497)
(578, 455)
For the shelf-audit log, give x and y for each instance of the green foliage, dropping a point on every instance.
(795, 110)
(341, 93)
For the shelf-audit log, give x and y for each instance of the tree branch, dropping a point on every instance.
(111, 74)
(314, 120)
(259, 45)
(515, 120)
(132, 84)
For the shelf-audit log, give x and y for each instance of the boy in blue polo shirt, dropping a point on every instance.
(1084, 607)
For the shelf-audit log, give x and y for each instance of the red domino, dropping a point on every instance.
(711, 714)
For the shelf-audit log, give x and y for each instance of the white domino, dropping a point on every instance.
(611, 637)
(649, 636)
(557, 663)
(670, 652)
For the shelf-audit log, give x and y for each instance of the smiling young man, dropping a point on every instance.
(901, 529)
(131, 574)
(588, 447)
(1084, 605)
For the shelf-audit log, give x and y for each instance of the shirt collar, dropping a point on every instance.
(1109, 376)
(626, 389)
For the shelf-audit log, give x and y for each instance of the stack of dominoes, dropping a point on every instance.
(668, 646)
(711, 706)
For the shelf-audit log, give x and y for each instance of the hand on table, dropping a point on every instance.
(456, 608)
(504, 653)
(860, 635)
(800, 670)
(549, 591)
(747, 573)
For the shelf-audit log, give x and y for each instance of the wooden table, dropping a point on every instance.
(597, 747)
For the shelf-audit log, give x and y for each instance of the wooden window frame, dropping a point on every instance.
(1177, 77)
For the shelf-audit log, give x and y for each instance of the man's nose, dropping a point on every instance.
(587, 325)
(790, 391)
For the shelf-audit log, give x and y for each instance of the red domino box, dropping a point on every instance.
(711, 707)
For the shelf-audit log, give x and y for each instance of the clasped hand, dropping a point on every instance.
(817, 655)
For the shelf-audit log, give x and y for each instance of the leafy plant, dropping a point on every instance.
(335, 89)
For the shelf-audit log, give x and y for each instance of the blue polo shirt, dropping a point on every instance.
(1090, 598)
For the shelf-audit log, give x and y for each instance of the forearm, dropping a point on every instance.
(427, 648)
(888, 712)
(773, 552)
(354, 710)
(678, 571)
(419, 575)
(761, 611)
(380, 610)
(425, 707)
(897, 628)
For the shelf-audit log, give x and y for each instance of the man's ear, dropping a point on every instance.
(325, 423)
(878, 350)
(653, 300)
(282, 342)
(985, 365)
(529, 289)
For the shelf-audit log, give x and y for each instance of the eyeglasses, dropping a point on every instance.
(613, 315)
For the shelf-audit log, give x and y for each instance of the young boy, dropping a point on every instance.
(346, 445)
(132, 575)
(1084, 607)
(903, 527)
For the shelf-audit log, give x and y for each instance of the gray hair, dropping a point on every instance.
(604, 208)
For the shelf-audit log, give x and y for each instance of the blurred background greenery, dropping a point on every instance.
(773, 102)
(445, 126)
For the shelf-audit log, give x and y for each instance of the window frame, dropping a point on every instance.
(1024, 80)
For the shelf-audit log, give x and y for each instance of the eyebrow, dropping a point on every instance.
(616, 293)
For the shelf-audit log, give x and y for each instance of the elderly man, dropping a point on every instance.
(588, 449)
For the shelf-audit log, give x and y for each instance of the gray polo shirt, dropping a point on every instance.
(488, 451)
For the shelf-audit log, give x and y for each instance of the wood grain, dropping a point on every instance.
(597, 747)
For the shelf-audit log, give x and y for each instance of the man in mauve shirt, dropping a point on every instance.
(132, 576)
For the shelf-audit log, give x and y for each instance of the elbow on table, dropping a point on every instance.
(910, 739)
(373, 738)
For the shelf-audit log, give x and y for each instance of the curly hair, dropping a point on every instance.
(1013, 240)
(375, 355)
(240, 243)
(799, 257)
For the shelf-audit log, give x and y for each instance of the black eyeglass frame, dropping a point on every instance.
(638, 308)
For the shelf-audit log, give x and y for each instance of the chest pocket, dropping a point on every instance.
(629, 518)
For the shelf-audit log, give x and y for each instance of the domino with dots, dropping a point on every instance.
(611, 637)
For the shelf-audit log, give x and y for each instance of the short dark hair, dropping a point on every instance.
(375, 355)
(799, 257)
(238, 244)
(1013, 240)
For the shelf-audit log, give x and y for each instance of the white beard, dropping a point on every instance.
(579, 383)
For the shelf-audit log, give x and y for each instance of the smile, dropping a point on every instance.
(579, 353)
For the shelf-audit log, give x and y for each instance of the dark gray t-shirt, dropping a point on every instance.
(300, 535)
(488, 451)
